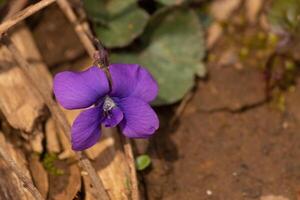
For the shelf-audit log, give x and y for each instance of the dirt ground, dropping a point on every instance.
(232, 141)
(229, 143)
(219, 151)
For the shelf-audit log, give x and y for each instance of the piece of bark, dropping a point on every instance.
(36, 141)
(39, 175)
(110, 162)
(20, 103)
(90, 193)
(222, 9)
(67, 185)
(67, 149)
(252, 9)
(11, 187)
(214, 32)
(111, 165)
(52, 139)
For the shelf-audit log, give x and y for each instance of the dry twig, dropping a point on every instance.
(131, 163)
(58, 116)
(21, 15)
(27, 182)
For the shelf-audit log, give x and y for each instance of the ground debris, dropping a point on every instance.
(273, 197)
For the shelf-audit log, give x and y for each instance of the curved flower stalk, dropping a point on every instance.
(125, 104)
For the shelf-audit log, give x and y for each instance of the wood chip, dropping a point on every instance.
(20, 103)
(273, 197)
(213, 34)
(111, 164)
(11, 187)
(36, 141)
(222, 9)
(53, 145)
(66, 186)
(39, 175)
(252, 9)
(67, 150)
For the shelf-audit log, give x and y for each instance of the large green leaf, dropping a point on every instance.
(173, 49)
(116, 22)
(285, 14)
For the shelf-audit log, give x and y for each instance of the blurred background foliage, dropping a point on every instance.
(166, 37)
(285, 16)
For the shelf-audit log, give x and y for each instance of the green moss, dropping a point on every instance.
(279, 101)
(128, 183)
(2, 2)
(48, 163)
(244, 52)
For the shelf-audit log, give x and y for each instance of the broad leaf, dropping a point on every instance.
(173, 49)
(116, 22)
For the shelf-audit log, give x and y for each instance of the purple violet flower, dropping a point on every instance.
(126, 104)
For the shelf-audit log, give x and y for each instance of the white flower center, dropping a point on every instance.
(108, 104)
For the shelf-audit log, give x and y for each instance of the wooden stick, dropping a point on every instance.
(21, 15)
(131, 163)
(26, 181)
(57, 114)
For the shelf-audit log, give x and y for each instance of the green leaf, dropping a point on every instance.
(173, 50)
(116, 22)
(2, 2)
(48, 163)
(285, 14)
(142, 162)
(123, 29)
(171, 2)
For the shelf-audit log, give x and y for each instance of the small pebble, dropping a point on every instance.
(84, 173)
(208, 192)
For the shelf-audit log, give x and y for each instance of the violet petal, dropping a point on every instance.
(75, 90)
(86, 128)
(134, 81)
(113, 118)
(140, 120)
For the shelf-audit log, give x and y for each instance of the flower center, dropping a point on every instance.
(108, 104)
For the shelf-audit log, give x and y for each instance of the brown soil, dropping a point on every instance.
(230, 143)
(228, 153)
